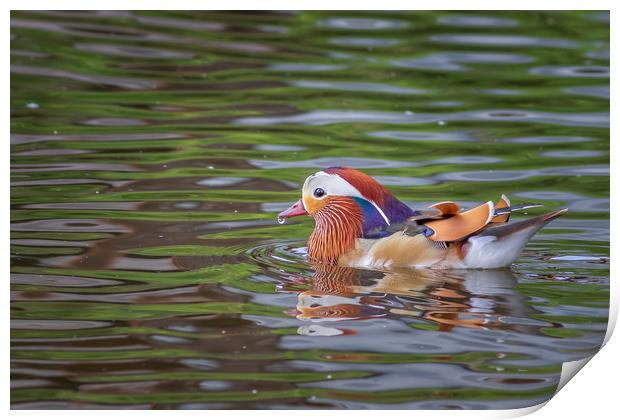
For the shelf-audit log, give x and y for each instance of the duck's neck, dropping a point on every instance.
(336, 229)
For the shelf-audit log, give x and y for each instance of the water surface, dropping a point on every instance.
(151, 152)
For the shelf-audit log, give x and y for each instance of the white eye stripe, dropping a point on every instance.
(333, 184)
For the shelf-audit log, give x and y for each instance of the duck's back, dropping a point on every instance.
(495, 246)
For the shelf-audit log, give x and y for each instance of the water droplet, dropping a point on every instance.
(441, 122)
(32, 105)
(313, 397)
(210, 167)
(329, 376)
(281, 220)
(223, 331)
(255, 391)
(407, 112)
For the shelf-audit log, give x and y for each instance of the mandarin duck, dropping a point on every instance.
(359, 223)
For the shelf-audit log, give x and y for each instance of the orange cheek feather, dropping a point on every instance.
(311, 204)
(338, 222)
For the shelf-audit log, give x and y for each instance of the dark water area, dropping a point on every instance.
(151, 152)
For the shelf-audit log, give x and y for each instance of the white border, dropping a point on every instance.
(593, 394)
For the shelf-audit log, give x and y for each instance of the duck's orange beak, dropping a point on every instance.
(296, 209)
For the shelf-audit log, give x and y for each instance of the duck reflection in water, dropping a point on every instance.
(447, 299)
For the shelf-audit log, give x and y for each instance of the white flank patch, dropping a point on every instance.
(490, 252)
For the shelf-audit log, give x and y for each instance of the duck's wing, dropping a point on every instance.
(434, 212)
(442, 222)
(460, 225)
(416, 223)
(502, 203)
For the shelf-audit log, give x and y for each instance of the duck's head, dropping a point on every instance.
(346, 204)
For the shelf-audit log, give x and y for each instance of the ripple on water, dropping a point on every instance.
(114, 122)
(358, 87)
(549, 195)
(279, 148)
(68, 225)
(596, 205)
(501, 92)
(97, 205)
(221, 181)
(477, 21)
(305, 67)
(591, 170)
(547, 140)
(58, 167)
(120, 82)
(52, 152)
(275, 207)
(572, 71)
(35, 138)
(504, 40)
(571, 153)
(353, 162)
(403, 180)
(87, 30)
(275, 253)
(451, 61)
(45, 324)
(133, 51)
(487, 176)
(446, 104)
(575, 258)
(215, 385)
(273, 28)
(594, 91)
(465, 160)
(574, 203)
(362, 24)
(423, 135)
(175, 23)
(66, 181)
(600, 17)
(324, 117)
(598, 55)
(60, 281)
(350, 41)
(503, 175)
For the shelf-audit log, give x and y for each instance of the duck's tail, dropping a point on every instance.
(499, 246)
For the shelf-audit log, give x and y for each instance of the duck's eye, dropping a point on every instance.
(319, 192)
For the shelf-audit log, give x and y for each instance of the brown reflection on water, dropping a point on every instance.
(442, 297)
